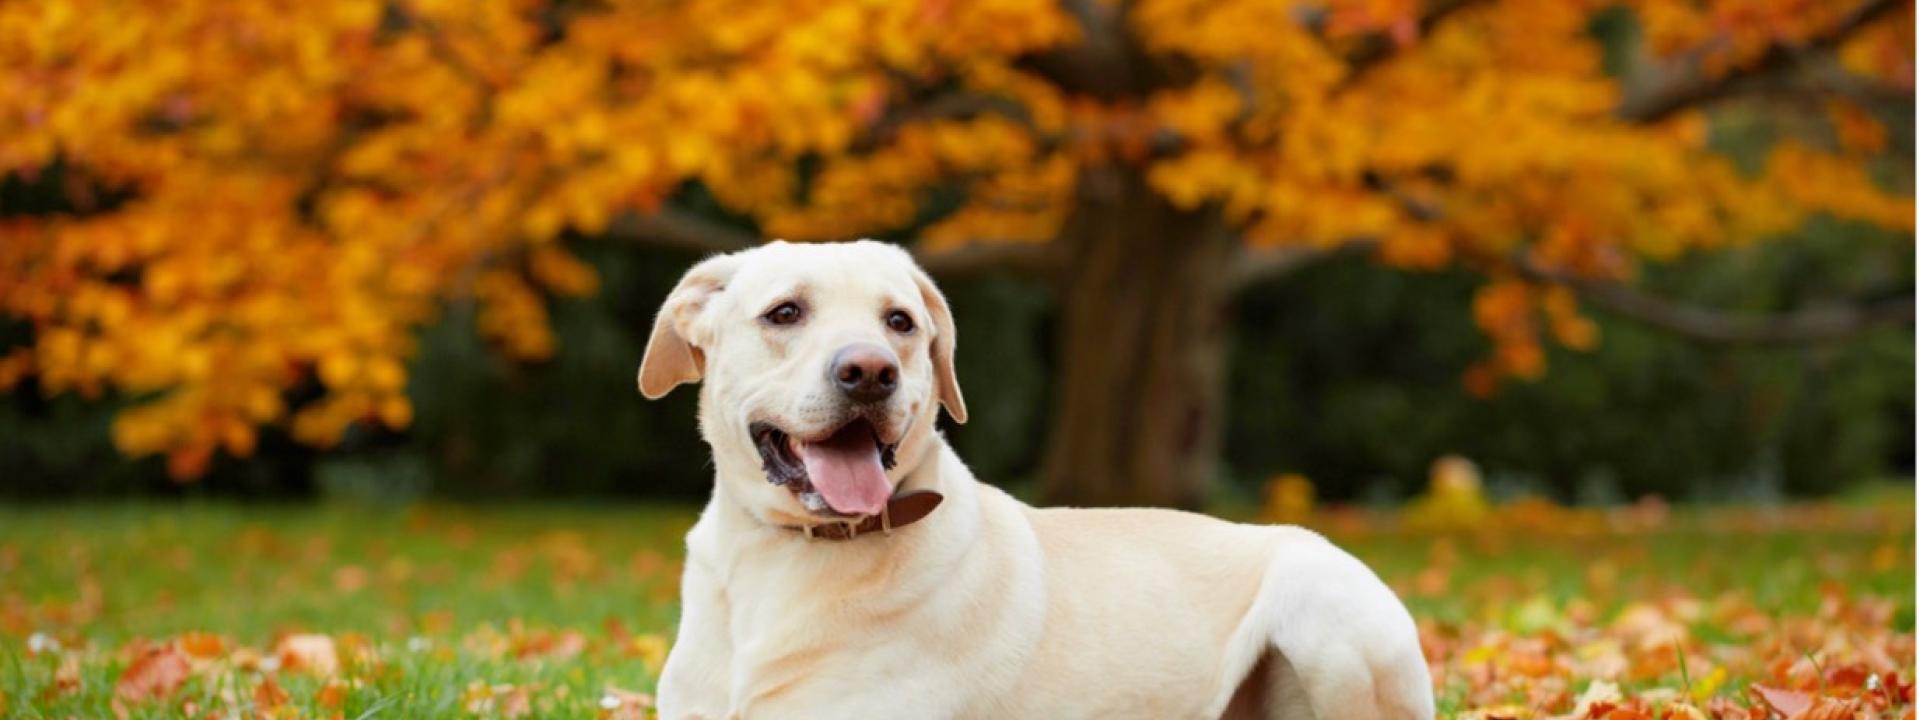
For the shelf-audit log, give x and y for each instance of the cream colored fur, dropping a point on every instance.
(988, 608)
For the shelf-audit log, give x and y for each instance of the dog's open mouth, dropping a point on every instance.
(842, 474)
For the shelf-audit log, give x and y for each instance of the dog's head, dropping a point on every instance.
(822, 364)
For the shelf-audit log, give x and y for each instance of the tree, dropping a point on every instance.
(265, 193)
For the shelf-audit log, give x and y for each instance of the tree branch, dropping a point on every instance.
(1683, 84)
(1720, 327)
(946, 106)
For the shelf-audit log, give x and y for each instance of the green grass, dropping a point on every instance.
(424, 586)
(433, 607)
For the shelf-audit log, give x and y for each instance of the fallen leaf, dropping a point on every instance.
(510, 701)
(310, 653)
(1503, 712)
(1726, 709)
(202, 646)
(550, 645)
(66, 679)
(154, 675)
(1829, 709)
(516, 703)
(1786, 702)
(1600, 697)
(1898, 690)
(333, 696)
(618, 704)
(268, 696)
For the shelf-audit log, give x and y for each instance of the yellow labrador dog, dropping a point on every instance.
(850, 566)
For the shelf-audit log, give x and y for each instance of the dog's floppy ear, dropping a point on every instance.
(673, 352)
(946, 384)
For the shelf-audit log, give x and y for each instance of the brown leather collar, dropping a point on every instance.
(902, 510)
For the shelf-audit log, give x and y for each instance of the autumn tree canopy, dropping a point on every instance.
(269, 191)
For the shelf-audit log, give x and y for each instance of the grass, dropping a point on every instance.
(561, 611)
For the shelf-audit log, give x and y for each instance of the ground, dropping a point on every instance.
(567, 611)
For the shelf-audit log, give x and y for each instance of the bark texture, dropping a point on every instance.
(1143, 341)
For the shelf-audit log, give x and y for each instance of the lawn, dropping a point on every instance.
(567, 611)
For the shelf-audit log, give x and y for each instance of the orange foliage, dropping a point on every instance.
(305, 184)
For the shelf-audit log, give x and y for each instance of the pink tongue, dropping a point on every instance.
(846, 470)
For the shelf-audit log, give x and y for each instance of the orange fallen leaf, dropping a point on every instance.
(310, 653)
(66, 679)
(1896, 689)
(504, 700)
(333, 696)
(551, 645)
(1829, 709)
(1600, 697)
(155, 674)
(202, 646)
(618, 704)
(1786, 702)
(268, 696)
(516, 703)
(1726, 709)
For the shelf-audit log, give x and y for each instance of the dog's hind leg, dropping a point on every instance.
(1339, 645)
(1270, 691)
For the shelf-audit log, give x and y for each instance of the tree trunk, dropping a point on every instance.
(1142, 348)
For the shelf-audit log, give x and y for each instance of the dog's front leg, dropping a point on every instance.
(875, 696)
(694, 683)
(886, 680)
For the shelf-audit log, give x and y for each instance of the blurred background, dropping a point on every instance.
(389, 251)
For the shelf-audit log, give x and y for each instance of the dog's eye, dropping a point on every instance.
(900, 321)
(785, 313)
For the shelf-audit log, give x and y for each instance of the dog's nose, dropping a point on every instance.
(865, 372)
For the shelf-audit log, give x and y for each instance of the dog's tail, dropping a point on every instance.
(1325, 639)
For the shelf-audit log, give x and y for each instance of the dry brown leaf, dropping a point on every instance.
(515, 703)
(618, 704)
(1829, 709)
(310, 653)
(66, 679)
(1786, 702)
(333, 696)
(154, 675)
(510, 701)
(550, 645)
(1897, 689)
(268, 696)
(1600, 697)
(202, 646)
(1504, 712)
(1722, 708)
